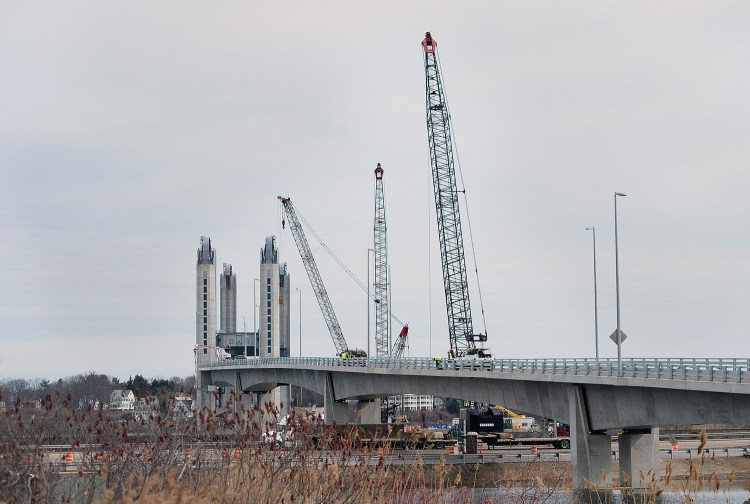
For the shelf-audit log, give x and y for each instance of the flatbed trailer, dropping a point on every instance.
(389, 436)
(495, 440)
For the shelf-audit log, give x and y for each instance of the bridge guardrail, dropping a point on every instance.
(684, 369)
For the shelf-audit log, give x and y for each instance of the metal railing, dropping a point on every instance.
(683, 369)
(492, 457)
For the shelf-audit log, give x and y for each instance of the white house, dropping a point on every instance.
(183, 406)
(122, 400)
(412, 402)
(146, 409)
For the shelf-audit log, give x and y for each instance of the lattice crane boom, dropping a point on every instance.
(401, 342)
(382, 308)
(314, 275)
(439, 133)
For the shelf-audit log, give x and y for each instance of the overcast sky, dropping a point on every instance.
(130, 129)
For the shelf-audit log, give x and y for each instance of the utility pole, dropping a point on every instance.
(620, 337)
(596, 307)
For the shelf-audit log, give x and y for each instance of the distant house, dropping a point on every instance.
(122, 400)
(146, 408)
(31, 404)
(412, 402)
(183, 406)
(83, 404)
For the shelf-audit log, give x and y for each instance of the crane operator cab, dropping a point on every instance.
(478, 353)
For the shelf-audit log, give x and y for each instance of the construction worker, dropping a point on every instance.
(437, 362)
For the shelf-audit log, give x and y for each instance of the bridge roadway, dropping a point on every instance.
(585, 393)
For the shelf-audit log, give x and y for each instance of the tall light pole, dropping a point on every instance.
(255, 317)
(299, 402)
(368, 299)
(300, 320)
(617, 289)
(596, 307)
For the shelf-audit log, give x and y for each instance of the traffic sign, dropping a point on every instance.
(613, 336)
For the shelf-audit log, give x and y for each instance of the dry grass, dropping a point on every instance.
(237, 457)
(234, 457)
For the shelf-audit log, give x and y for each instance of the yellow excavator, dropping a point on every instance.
(507, 411)
(514, 422)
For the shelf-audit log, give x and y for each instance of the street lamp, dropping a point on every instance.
(620, 336)
(596, 308)
(300, 320)
(368, 299)
(299, 402)
(255, 317)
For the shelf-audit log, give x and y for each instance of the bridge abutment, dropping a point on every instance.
(590, 452)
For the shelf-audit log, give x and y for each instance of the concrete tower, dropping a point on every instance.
(284, 310)
(274, 312)
(205, 301)
(228, 297)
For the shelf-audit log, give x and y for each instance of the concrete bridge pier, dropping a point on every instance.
(333, 410)
(241, 398)
(639, 458)
(368, 412)
(203, 398)
(590, 452)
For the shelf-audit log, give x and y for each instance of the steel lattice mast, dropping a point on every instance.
(382, 317)
(315, 280)
(462, 337)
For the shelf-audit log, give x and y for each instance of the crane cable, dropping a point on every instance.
(335, 258)
(466, 201)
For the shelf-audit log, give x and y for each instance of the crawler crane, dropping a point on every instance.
(463, 339)
(342, 349)
(382, 308)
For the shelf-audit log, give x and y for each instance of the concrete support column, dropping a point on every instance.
(590, 452)
(639, 457)
(368, 412)
(240, 398)
(203, 398)
(334, 411)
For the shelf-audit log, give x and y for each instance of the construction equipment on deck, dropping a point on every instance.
(398, 347)
(342, 349)
(382, 308)
(440, 137)
(508, 412)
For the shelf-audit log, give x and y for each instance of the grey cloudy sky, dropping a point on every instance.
(130, 129)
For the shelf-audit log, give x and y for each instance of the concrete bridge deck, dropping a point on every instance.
(585, 393)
